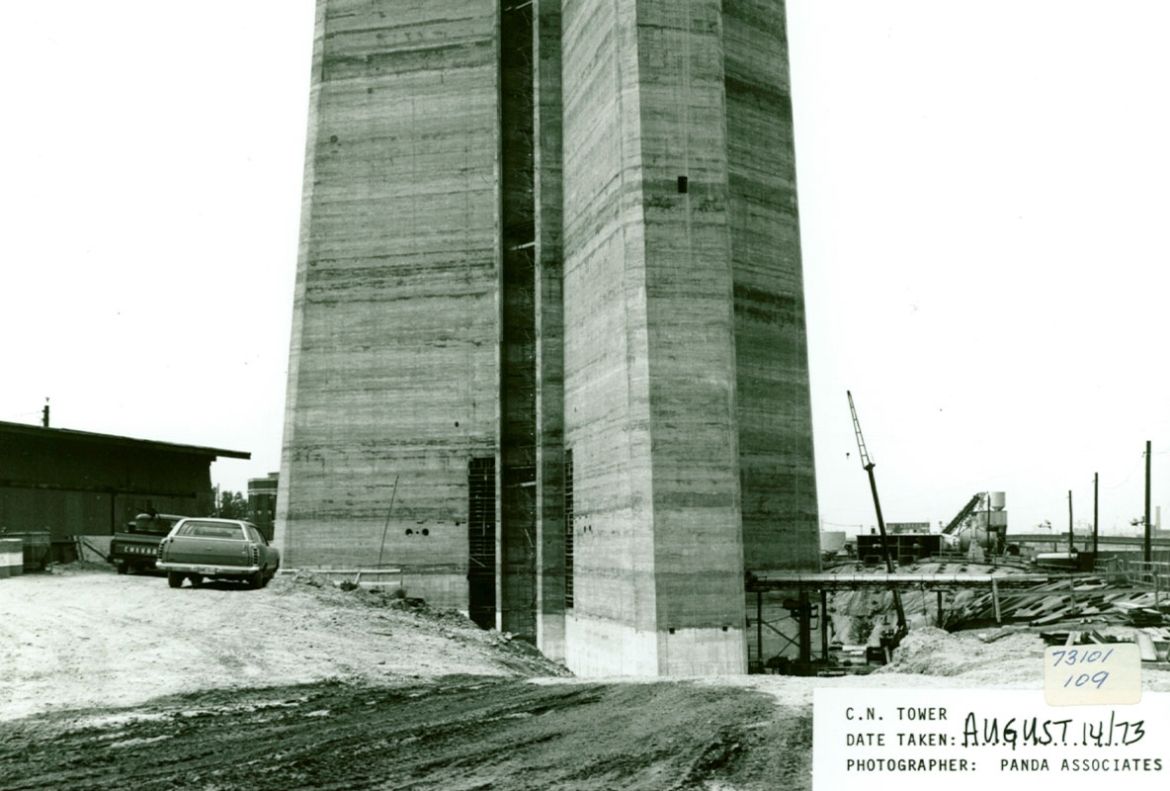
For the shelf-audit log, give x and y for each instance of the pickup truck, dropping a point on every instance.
(136, 548)
(220, 549)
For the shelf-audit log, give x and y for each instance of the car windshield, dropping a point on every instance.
(153, 525)
(212, 530)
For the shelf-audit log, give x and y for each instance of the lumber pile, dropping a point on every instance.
(1086, 599)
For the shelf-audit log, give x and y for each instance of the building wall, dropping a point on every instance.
(517, 326)
(696, 523)
(778, 483)
(499, 261)
(549, 329)
(606, 366)
(649, 350)
(83, 487)
(394, 377)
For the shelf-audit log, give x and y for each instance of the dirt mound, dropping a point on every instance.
(515, 654)
(95, 638)
(927, 650)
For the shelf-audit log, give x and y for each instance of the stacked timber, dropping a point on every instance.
(1082, 599)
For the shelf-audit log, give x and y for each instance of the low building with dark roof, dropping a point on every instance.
(78, 483)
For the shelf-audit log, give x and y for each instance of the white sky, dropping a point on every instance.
(984, 204)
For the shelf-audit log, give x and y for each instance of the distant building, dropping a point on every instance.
(74, 483)
(908, 527)
(262, 502)
(1130, 547)
(905, 548)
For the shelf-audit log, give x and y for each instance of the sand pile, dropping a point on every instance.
(931, 651)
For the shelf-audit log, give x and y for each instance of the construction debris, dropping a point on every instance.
(1071, 599)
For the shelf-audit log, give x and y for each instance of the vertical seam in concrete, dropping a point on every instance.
(499, 299)
(549, 309)
(733, 385)
(619, 107)
(639, 606)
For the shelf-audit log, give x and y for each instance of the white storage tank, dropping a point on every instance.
(832, 540)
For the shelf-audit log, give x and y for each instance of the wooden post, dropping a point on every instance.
(1094, 518)
(760, 629)
(939, 608)
(805, 611)
(824, 625)
(995, 600)
(1147, 553)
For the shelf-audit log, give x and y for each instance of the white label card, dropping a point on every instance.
(927, 739)
(1110, 673)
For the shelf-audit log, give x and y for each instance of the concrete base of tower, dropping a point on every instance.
(598, 647)
(702, 652)
(441, 590)
(550, 635)
(438, 589)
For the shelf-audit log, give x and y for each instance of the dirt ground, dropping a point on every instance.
(89, 637)
(109, 681)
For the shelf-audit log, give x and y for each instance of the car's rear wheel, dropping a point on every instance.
(256, 580)
(174, 579)
(122, 567)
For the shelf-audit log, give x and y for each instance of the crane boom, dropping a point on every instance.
(865, 460)
(868, 465)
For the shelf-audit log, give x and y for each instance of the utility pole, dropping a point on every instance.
(990, 543)
(1094, 514)
(1146, 553)
(1071, 548)
(45, 413)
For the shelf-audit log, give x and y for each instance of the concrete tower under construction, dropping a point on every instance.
(548, 354)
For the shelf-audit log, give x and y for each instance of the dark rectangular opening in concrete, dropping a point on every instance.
(568, 528)
(481, 540)
(517, 545)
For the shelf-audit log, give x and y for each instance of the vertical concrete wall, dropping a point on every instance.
(281, 522)
(394, 378)
(537, 227)
(549, 326)
(698, 554)
(686, 395)
(649, 351)
(612, 626)
(780, 526)
(517, 470)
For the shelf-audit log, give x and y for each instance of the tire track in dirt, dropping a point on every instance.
(458, 733)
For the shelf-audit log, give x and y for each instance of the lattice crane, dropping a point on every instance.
(868, 465)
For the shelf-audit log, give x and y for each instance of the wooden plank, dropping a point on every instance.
(1146, 646)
